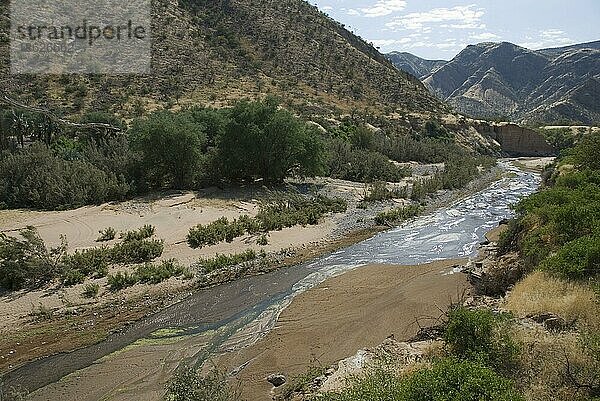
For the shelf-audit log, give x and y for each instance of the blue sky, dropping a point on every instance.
(439, 29)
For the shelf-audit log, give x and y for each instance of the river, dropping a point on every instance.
(237, 314)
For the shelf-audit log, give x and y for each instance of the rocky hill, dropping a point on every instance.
(213, 52)
(417, 66)
(503, 80)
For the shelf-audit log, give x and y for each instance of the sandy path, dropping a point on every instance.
(334, 320)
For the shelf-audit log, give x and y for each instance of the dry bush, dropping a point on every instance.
(543, 374)
(540, 293)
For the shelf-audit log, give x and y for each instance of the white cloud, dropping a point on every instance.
(459, 17)
(485, 36)
(547, 38)
(382, 8)
(326, 8)
(467, 25)
(390, 42)
(552, 33)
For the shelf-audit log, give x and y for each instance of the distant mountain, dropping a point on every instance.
(557, 51)
(417, 66)
(492, 80)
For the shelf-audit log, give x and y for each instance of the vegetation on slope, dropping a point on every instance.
(558, 228)
(211, 52)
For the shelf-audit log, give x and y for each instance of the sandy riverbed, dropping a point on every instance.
(344, 314)
(172, 216)
(327, 323)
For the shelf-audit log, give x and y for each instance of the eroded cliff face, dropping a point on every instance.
(515, 140)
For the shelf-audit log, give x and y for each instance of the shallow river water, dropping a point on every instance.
(449, 233)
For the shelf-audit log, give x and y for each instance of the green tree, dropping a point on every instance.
(262, 141)
(587, 153)
(25, 262)
(170, 147)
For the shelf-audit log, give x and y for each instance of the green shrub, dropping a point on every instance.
(215, 232)
(89, 262)
(249, 224)
(446, 380)
(147, 231)
(348, 163)
(223, 261)
(155, 274)
(262, 240)
(280, 212)
(378, 191)
(577, 259)
(379, 385)
(397, 215)
(434, 129)
(108, 234)
(560, 139)
(480, 335)
(121, 280)
(587, 153)
(91, 290)
(188, 385)
(26, 262)
(451, 379)
(34, 177)
(71, 277)
(287, 211)
(136, 251)
(558, 228)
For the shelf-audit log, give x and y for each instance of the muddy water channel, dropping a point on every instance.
(135, 363)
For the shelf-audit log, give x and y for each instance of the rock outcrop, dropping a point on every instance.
(519, 141)
(511, 139)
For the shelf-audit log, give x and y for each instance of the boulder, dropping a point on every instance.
(550, 321)
(276, 379)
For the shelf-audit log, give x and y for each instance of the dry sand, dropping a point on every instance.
(536, 164)
(334, 320)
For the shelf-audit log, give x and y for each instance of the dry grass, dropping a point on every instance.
(542, 373)
(540, 293)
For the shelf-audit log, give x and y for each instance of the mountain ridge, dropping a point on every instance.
(215, 52)
(414, 65)
(504, 80)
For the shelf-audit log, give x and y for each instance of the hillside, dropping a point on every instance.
(214, 52)
(417, 66)
(504, 80)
